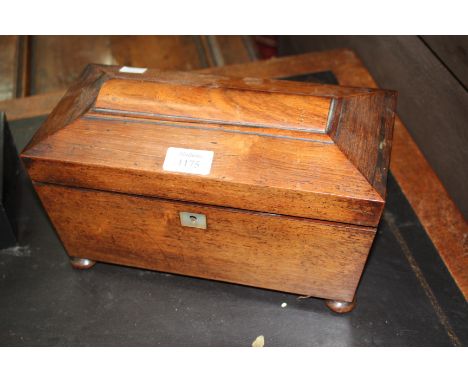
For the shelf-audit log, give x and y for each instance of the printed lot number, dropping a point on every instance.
(188, 161)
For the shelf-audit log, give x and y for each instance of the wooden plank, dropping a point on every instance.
(8, 66)
(32, 106)
(436, 211)
(249, 168)
(250, 171)
(262, 250)
(23, 67)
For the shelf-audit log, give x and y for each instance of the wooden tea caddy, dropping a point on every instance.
(267, 183)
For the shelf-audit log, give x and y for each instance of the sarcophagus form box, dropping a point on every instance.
(267, 183)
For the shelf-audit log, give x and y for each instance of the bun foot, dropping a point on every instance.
(79, 263)
(340, 306)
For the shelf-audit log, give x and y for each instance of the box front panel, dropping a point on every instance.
(301, 256)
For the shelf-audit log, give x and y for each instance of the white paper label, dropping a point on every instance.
(189, 161)
(132, 69)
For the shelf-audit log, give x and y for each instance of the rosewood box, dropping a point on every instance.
(267, 183)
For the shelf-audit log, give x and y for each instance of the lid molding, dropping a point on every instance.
(331, 164)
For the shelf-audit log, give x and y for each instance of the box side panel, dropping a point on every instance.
(294, 255)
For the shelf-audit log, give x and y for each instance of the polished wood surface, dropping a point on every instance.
(76, 101)
(295, 255)
(276, 172)
(284, 176)
(437, 212)
(433, 101)
(439, 215)
(80, 263)
(340, 306)
(187, 102)
(284, 157)
(365, 135)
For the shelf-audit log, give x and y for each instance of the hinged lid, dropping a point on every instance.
(306, 150)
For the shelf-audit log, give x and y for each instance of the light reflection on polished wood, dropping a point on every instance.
(79, 263)
(340, 306)
(435, 209)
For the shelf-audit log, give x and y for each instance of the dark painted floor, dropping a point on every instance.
(406, 296)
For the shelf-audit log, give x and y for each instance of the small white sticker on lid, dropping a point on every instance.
(188, 161)
(132, 69)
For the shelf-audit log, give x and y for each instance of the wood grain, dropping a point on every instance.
(104, 145)
(277, 175)
(435, 209)
(32, 106)
(367, 115)
(294, 255)
(363, 132)
(9, 54)
(437, 212)
(185, 102)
